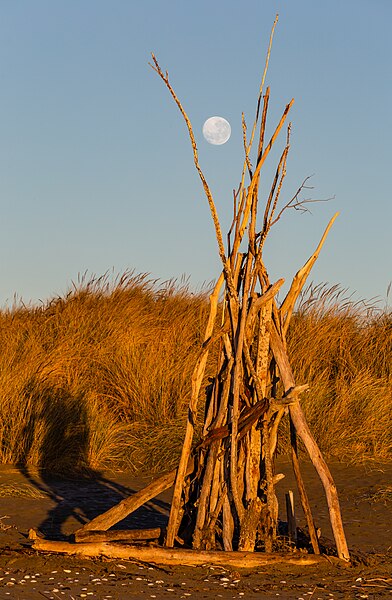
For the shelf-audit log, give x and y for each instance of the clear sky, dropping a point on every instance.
(96, 169)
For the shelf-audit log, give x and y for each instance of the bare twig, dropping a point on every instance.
(297, 204)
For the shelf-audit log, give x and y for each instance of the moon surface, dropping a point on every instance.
(216, 130)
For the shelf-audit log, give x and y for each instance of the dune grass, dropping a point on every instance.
(100, 378)
(344, 350)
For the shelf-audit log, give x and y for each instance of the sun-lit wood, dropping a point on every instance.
(177, 556)
(224, 494)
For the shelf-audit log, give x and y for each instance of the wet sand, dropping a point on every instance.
(58, 506)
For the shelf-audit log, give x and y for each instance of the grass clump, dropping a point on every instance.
(20, 490)
(100, 378)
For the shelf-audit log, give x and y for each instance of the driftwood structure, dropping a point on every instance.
(224, 506)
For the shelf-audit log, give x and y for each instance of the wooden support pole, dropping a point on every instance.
(302, 490)
(302, 428)
(291, 521)
(197, 378)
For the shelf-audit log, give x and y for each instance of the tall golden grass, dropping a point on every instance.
(100, 378)
(344, 350)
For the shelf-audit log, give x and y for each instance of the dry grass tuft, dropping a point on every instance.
(383, 495)
(20, 490)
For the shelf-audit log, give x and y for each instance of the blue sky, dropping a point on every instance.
(96, 170)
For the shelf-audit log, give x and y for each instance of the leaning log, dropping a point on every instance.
(302, 428)
(127, 506)
(174, 556)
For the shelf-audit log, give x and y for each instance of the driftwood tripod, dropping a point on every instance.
(224, 487)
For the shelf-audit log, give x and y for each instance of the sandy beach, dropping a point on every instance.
(58, 506)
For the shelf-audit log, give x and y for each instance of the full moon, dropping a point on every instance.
(216, 130)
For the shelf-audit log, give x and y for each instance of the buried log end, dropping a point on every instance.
(34, 534)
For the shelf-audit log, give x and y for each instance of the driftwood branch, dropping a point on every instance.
(127, 506)
(302, 428)
(191, 558)
(211, 203)
(300, 278)
(121, 535)
(197, 379)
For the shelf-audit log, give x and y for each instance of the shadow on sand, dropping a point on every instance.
(78, 493)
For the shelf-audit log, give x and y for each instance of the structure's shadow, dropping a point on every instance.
(58, 423)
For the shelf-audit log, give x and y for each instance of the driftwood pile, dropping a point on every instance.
(224, 506)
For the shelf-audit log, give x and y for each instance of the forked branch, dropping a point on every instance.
(300, 204)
